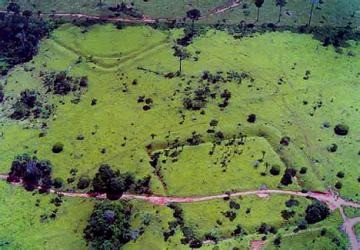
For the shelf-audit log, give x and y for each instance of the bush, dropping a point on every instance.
(58, 182)
(275, 170)
(83, 183)
(57, 148)
(287, 177)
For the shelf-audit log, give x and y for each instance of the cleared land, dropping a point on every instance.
(298, 90)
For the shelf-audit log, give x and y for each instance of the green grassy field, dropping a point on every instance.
(229, 168)
(27, 226)
(118, 131)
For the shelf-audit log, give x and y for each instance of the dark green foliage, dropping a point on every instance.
(195, 139)
(58, 182)
(265, 229)
(29, 105)
(231, 215)
(286, 214)
(126, 9)
(31, 171)
(316, 212)
(275, 170)
(114, 183)
(24, 106)
(60, 83)
(291, 203)
(108, 226)
(83, 183)
(193, 14)
(338, 185)
(239, 230)
(259, 3)
(234, 205)
(340, 174)
(287, 177)
(341, 129)
(303, 170)
(20, 35)
(57, 148)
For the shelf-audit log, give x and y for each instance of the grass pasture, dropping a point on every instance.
(296, 88)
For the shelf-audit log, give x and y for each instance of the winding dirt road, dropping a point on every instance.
(330, 198)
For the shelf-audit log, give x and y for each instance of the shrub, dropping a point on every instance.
(58, 182)
(83, 183)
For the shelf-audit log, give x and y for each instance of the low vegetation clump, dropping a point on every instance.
(31, 172)
(60, 83)
(126, 9)
(30, 104)
(114, 183)
(109, 226)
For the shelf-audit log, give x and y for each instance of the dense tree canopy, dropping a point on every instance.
(31, 171)
(109, 226)
(316, 212)
(114, 183)
(20, 34)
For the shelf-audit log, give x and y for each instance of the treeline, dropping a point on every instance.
(20, 33)
(34, 173)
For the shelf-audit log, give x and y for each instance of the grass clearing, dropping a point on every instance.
(122, 70)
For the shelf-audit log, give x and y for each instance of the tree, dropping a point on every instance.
(31, 172)
(113, 183)
(316, 212)
(19, 35)
(281, 4)
(258, 4)
(109, 226)
(193, 14)
(182, 54)
(313, 3)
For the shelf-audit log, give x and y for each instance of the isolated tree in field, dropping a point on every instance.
(258, 4)
(194, 15)
(316, 212)
(182, 54)
(313, 3)
(281, 4)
